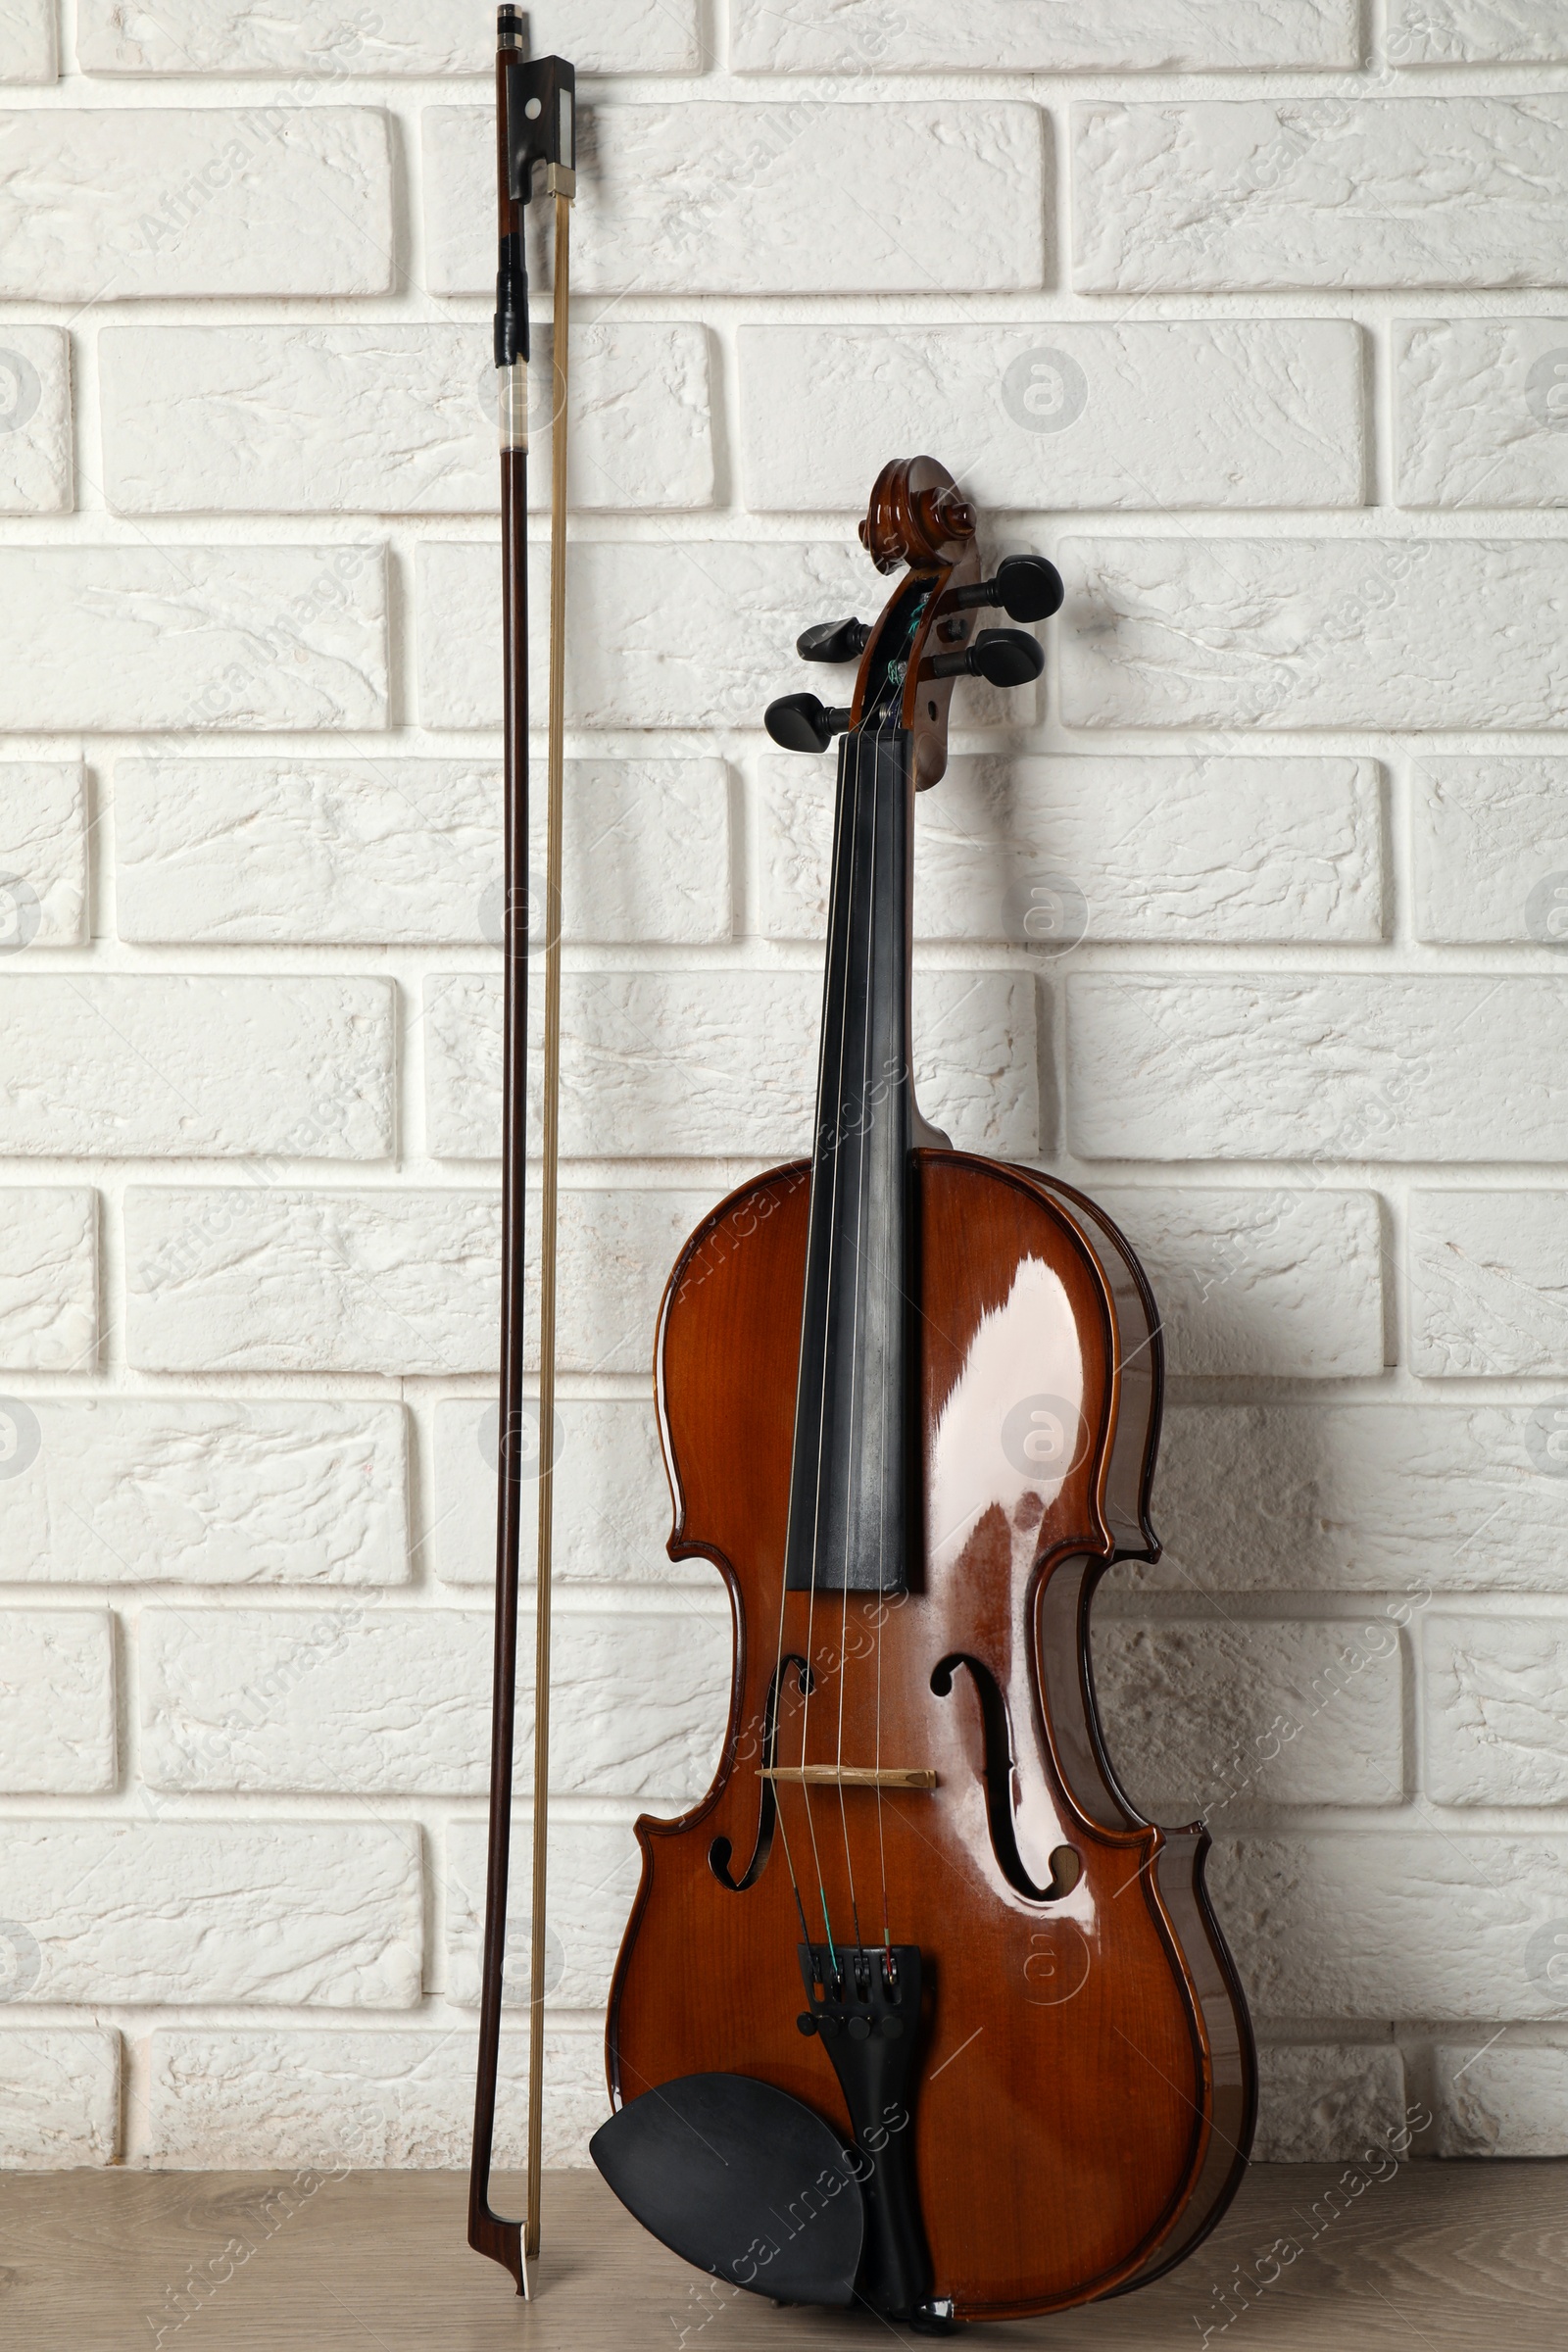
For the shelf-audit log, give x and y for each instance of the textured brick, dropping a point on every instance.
(1489, 1276)
(398, 37)
(43, 854)
(36, 469)
(402, 2101)
(664, 633)
(284, 1280)
(725, 198)
(1449, 32)
(1257, 413)
(249, 419)
(48, 1278)
(1491, 850)
(57, 1702)
(59, 2099)
(1195, 850)
(1327, 2104)
(1332, 192)
(1209, 1713)
(1401, 1499)
(995, 36)
(1482, 407)
(1412, 633)
(1274, 1284)
(300, 1912)
(201, 1066)
(408, 851)
(706, 1066)
(365, 1698)
(612, 1498)
(1413, 1925)
(28, 50)
(593, 1877)
(1324, 1070)
(1510, 2101)
(113, 204)
(1495, 1710)
(204, 1492)
(188, 637)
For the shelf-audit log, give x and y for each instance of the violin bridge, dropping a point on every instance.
(851, 1776)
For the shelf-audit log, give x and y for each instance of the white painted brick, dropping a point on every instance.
(1309, 1068)
(611, 1499)
(1491, 850)
(272, 1911)
(1509, 2101)
(1334, 192)
(1313, 633)
(402, 2101)
(113, 204)
(399, 36)
(399, 1701)
(1402, 1499)
(35, 470)
(1413, 1925)
(721, 197)
(1488, 1275)
(997, 37)
(1327, 2104)
(1448, 32)
(1195, 850)
(136, 1066)
(59, 2099)
(1257, 413)
(706, 1065)
(197, 1491)
(43, 854)
(190, 637)
(408, 851)
(48, 1278)
(285, 1279)
(1482, 407)
(594, 1870)
(1208, 1713)
(1272, 1284)
(661, 634)
(1495, 1709)
(57, 1703)
(27, 51)
(249, 419)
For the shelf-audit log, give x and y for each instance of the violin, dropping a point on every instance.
(914, 2009)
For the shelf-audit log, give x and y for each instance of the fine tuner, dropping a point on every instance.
(1025, 587)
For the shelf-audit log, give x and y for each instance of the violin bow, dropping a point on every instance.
(535, 125)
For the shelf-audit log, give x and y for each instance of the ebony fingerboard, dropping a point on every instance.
(851, 1514)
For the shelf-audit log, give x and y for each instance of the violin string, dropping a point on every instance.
(881, 1827)
(832, 1139)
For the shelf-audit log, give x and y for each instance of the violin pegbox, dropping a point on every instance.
(919, 521)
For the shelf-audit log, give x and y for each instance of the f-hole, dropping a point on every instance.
(1066, 1864)
(719, 1852)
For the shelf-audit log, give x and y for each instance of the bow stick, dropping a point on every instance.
(535, 125)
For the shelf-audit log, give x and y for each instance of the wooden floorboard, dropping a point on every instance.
(1441, 2254)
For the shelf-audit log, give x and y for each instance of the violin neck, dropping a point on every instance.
(850, 1508)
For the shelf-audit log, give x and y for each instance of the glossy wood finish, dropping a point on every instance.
(1085, 2093)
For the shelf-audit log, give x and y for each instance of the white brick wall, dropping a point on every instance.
(1247, 918)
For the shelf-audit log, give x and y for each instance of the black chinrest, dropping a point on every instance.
(741, 2180)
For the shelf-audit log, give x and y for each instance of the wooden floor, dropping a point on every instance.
(1437, 2255)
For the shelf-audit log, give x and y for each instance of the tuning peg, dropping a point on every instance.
(1003, 657)
(1026, 587)
(800, 723)
(834, 641)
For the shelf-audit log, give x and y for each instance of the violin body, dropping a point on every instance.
(910, 1400)
(1086, 2095)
